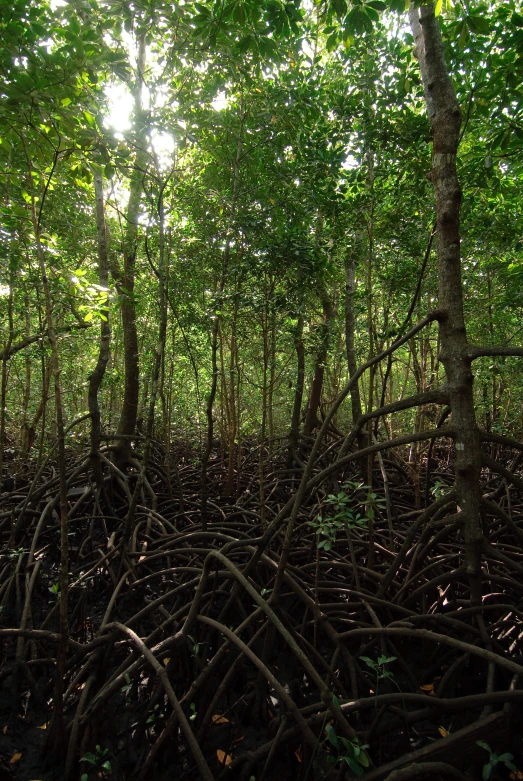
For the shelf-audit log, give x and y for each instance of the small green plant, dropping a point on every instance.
(15, 553)
(379, 668)
(126, 688)
(98, 761)
(194, 712)
(155, 716)
(55, 589)
(495, 759)
(195, 645)
(353, 506)
(348, 751)
(439, 489)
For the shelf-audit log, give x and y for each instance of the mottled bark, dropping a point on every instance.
(445, 119)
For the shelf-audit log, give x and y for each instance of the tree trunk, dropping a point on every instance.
(445, 119)
(5, 360)
(96, 378)
(57, 733)
(311, 418)
(350, 329)
(125, 278)
(294, 433)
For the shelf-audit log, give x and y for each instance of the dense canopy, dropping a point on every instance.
(261, 294)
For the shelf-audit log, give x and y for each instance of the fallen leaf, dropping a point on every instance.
(298, 755)
(443, 732)
(427, 687)
(166, 660)
(44, 726)
(518, 775)
(223, 758)
(5, 730)
(217, 719)
(15, 757)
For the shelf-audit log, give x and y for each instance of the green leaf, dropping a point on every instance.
(354, 766)
(363, 759)
(332, 737)
(438, 7)
(482, 744)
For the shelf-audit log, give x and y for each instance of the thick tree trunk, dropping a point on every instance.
(445, 119)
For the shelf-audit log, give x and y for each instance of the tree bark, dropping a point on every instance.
(96, 378)
(125, 277)
(311, 417)
(350, 329)
(294, 433)
(445, 119)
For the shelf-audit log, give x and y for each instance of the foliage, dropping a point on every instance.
(349, 752)
(495, 759)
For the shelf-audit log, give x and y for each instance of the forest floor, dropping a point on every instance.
(199, 653)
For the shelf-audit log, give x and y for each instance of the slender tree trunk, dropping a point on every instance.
(311, 417)
(294, 433)
(125, 278)
(5, 360)
(96, 378)
(216, 324)
(272, 376)
(231, 391)
(25, 437)
(157, 364)
(445, 119)
(350, 347)
(57, 735)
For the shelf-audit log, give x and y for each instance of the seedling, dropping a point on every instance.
(348, 751)
(350, 512)
(379, 668)
(15, 553)
(495, 759)
(55, 589)
(128, 683)
(195, 645)
(194, 712)
(155, 715)
(98, 761)
(439, 489)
